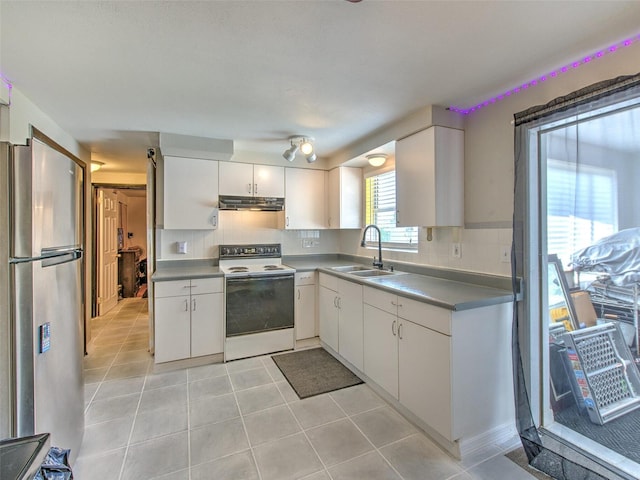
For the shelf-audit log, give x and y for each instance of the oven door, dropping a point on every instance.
(259, 304)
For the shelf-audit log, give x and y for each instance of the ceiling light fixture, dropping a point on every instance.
(95, 166)
(377, 159)
(302, 143)
(549, 76)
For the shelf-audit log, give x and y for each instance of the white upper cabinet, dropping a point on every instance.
(246, 179)
(345, 198)
(430, 178)
(190, 193)
(305, 199)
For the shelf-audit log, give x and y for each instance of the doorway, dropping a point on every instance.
(119, 263)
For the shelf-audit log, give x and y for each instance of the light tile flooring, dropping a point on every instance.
(242, 420)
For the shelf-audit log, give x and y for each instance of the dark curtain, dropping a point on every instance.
(546, 453)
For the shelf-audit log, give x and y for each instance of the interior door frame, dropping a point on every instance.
(94, 235)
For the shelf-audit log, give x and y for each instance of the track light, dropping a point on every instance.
(302, 144)
(290, 153)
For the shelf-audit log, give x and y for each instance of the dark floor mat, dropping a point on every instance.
(314, 371)
(621, 435)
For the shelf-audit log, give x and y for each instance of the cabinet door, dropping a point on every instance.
(172, 329)
(328, 317)
(236, 179)
(430, 178)
(190, 193)
(206, 324)
(381, 348)
(268, 181)
(305, 311)
(425, 375)
(305, 198)
(345, 198)
(350, 335)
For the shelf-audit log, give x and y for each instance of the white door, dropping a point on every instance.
(107, 251)
(305, 311)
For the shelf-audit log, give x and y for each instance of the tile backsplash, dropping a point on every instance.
(481, 250)
(244, 227)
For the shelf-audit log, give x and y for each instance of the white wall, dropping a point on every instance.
(489, 136)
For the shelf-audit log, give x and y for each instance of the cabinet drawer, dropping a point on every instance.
(305, 278)
(329, 281)
(172, 288)
(435, 318)
(383, 300)
(206, 285)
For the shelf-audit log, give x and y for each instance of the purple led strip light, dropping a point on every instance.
(549, 76)
(9, 85)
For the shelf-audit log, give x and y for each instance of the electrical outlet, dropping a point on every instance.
(456, 250)
(505, 253)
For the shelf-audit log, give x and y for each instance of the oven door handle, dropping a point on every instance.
(260, 277)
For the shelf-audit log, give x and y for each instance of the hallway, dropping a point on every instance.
(242, 420)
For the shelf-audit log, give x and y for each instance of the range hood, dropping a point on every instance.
(265, 204)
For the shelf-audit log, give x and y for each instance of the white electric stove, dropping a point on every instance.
(259, 301)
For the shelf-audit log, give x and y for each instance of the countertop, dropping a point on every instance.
(182, 271)
(451, 293)
(454, 290)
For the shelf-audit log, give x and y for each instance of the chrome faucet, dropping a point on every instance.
(378, 263)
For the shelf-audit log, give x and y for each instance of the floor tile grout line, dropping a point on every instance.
(365, 436)
(244, 426)
(133, 425)
(324, 465)
(188, 428)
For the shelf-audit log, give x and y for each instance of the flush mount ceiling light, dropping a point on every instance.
(302, 143)
(95, 166)
(377, 159)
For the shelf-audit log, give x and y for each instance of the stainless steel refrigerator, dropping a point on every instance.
(44, 201)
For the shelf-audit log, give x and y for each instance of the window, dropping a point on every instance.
(581, 206)
(380, 210)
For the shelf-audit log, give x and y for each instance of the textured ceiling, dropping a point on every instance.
(114, 74)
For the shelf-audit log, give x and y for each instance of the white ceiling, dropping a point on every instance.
(113, 74)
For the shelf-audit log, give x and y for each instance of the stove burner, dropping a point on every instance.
(273, 267)
(238, 269)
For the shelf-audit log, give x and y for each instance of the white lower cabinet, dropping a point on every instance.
(416, 365)
(188, 318)
(451, 369)
(305, 305)
(341, 317)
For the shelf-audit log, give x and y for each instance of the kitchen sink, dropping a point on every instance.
(372, 273)
(351, 268)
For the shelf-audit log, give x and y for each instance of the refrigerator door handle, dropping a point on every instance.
(52, 256)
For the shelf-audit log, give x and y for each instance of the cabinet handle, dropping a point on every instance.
(393, 328)
(339, 303)
(298, 294)
(193, 304)
(335, 302)
(255, 188)
(287, 221)
(248, 188)
(186, 305)
(397, 217)
(400, 331)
